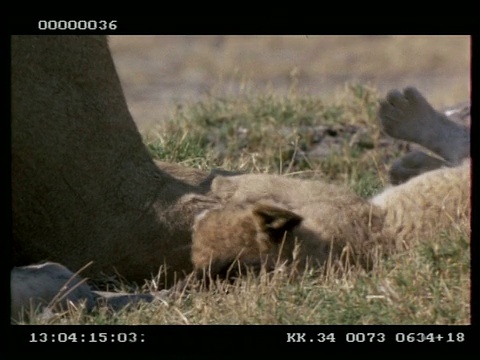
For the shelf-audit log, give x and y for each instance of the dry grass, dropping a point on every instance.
(266, 132)
(429, 284)
(156, 70)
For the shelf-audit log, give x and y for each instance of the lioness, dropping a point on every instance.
(84, 186)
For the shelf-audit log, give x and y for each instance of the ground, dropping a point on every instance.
(158, 71)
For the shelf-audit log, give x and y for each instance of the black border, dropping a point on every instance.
(236, 339)
(238, 25)
(240, 339)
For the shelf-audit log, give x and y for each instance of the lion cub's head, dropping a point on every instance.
(228, 239)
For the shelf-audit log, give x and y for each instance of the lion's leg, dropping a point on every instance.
(408, 116)
(48, 285)
(413, 164)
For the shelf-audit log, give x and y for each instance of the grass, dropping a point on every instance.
(268, 133)
(265, 132)
(156, 69)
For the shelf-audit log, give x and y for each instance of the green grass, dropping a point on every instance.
(264, 132)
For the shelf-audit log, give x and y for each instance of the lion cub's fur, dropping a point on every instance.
(335, 222)
(331, 218)
(427, 203)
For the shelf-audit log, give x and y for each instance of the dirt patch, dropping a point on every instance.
(159, 71)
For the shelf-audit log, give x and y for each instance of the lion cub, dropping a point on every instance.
(260, 209)
(263, 216)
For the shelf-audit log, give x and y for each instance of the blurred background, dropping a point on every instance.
(158, 72)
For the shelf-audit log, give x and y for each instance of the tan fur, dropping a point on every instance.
(191, 176)
(427, 203)
(335, 221)
(254, 237)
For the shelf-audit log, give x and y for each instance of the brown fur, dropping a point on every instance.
(84, 187)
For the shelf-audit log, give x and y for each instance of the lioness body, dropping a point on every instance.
(84, 187)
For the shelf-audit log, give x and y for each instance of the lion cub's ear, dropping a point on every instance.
(275, 221)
